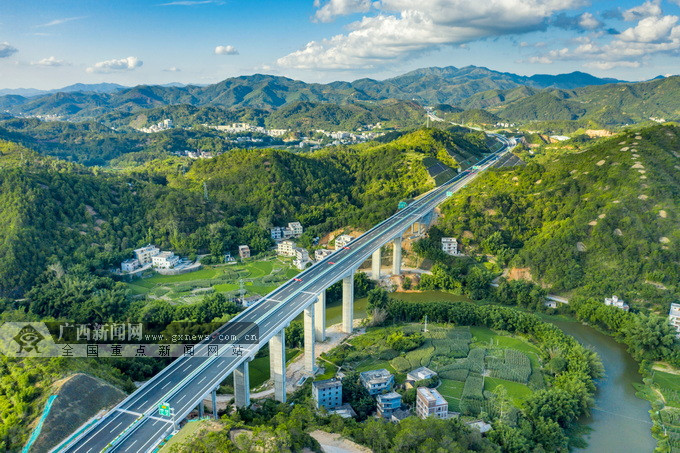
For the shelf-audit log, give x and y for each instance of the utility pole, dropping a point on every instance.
(425, 329)
(242, 291)
(205, 191)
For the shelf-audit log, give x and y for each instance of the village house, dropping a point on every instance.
(429, 402)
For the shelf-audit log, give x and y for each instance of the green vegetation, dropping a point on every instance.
(609, 105)
(596, 218)
(63, 215)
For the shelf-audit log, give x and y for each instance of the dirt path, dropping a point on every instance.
(335, 443)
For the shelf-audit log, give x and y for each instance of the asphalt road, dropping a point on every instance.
(135, 426)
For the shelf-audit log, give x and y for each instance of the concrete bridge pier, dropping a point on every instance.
(201, 409)
(277, 364)
(214, 403)
(320, 317)
(242, 384)
(375, 264)
(396, 256)
(309, 333)
(348, 303)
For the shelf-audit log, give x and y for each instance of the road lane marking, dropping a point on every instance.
(166, 385)
(180, 400)
(130, 445)
(112, 429)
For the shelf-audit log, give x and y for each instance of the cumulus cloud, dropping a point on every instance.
(116, 65)
(647, 9)
(329, 10)
(404, 30)
(226, 50)
(7, 50)
(49, 61)
(172, 69)
(588, 22)
(652, 34)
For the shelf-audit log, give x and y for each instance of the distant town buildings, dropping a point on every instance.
(674, 316)
(321, 254)
(614, 301)
(388, 404)
(377, 381)
(236, 128)
(429, 402)
(162, 126)
(145, 254)
(342, 240)
(244, 251)
(327, 393)
(165, 260)
(450, 246)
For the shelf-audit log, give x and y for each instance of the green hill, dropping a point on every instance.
(595, 218)
(62, 215)
(612, 104)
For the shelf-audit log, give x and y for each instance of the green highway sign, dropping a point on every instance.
(164, 409)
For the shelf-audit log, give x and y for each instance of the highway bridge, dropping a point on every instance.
(135, 424)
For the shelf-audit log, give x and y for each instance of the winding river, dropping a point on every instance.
(619, 422)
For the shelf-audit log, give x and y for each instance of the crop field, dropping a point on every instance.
(259, 278)
(470, 361)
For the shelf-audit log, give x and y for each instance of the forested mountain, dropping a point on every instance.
(614, 104)
(62, 214)
(430, 86)
(595, 218)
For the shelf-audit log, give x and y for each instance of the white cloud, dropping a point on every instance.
(631, 48)
(7, 50)
(333, 8)
(172, 69)
(60, 21)
(123, 64)
(540, 59)
(226, 50)
(647, 9)
(403, 30)
(650, 29)
(589, 22)
(50, 61)
(606, 65)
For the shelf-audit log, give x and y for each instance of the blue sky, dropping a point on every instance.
(52, 43)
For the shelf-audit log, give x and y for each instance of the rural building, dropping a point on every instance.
(321, 254)
(342, 241)
(165, 260)
(614, 301)
(344, 411)
(419, 374)
(377, 381)
(479, 425)
(301, 258)
(429, 402)
(295, 229)
(388, 403)
(674, 316)
(399, 415)
(276, 233)
(450, 246)
(129, 265)
(327, 393)
(286, 248)
(244, 251)
(145, 254)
